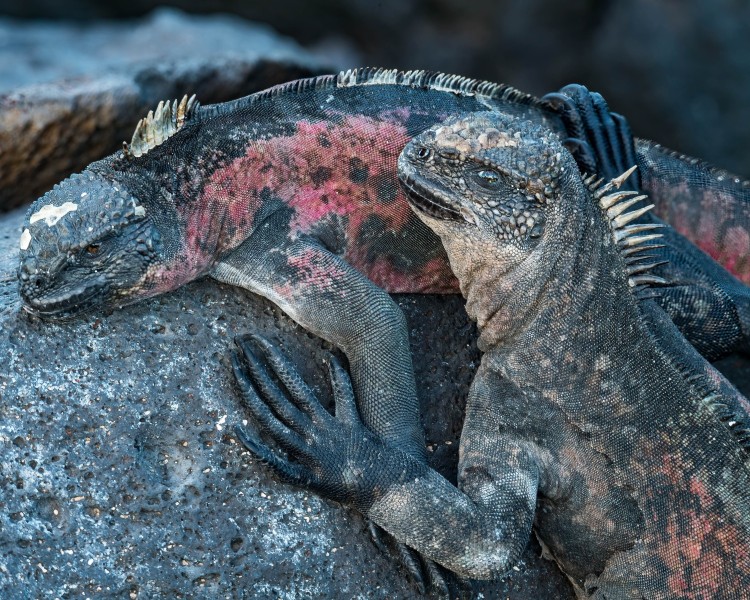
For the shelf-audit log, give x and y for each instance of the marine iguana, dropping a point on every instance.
(292, 193)
(588, 416)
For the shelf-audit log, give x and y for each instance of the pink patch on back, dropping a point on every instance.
(315, 267)
(704, 217)
(357, 140)
(433, 277)
(330, 173)
(690, 529)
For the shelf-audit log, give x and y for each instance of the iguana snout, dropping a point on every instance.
(487, 184)
(85, 242)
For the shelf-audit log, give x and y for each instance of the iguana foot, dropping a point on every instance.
(600, 140)
(334, 456)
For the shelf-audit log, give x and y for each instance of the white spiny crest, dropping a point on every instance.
(631, 239)
(445, 82)
(159, 125)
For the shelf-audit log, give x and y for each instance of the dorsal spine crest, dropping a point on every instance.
(631, 239)
(159, 125)
(445, 82)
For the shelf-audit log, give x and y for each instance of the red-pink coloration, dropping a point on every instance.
(434, 277)
(708, 222)
(228, 192)
(325, 171)
(314, 267)
(695, 547)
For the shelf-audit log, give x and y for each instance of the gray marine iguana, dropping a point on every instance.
(590, 416)
(292, 193)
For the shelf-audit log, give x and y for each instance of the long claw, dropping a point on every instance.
(289, 472)
(410, 560)
(286, 438)
(582, 153)
(269, 391)
(591, 120)
(609, 132)
(568, 112)
(301, 394)
(626, 135)
(425, 573)
(437, 579)
(343, 393)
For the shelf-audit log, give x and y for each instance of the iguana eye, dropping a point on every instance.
(487, 178)
(449, 154)
(92, 248)
(423, 153)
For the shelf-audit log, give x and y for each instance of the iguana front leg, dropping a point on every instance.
(477, 531)
(330, 298)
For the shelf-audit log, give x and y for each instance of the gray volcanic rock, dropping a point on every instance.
(121, 476)
(72, 94)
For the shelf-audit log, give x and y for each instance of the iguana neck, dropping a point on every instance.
(554, 301)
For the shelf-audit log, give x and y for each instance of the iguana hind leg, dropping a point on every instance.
(330, 298)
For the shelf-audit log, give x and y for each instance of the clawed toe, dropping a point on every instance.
(291, 473)
(600, 140)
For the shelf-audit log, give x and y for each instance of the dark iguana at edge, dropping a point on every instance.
(590, 416)
(292, 193)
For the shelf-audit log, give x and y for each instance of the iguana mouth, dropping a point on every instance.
(429, 199)
(64, 304)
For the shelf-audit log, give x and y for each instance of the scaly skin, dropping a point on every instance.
(291, 193)
(590, 416)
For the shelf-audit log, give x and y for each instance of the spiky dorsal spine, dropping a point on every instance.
(445, 82)
(632, 240)
(159, 125)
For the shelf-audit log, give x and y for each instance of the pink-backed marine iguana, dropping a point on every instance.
(292, 193)
(590, 417)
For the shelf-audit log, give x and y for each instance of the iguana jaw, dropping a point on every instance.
(66, 302)
(425, 197)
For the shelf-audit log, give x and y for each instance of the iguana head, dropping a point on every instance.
(110, 235)
(499, 189)
(89, 241)
(525, 233)
(489, 185)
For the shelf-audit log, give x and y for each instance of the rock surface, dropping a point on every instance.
(121, 477)
(72, 94)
